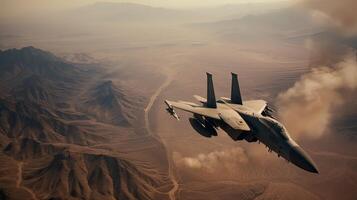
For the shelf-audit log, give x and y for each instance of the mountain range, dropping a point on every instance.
(51, 125)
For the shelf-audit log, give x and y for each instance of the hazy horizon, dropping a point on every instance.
(18, 8)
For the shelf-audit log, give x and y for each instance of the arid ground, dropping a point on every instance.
(82, 113)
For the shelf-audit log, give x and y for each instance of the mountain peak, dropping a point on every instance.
(28, 54)
(24, 62)
(28, 49)
(107, 86)
(107, 93)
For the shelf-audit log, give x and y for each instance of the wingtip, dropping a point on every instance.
(208, 74)
(234, 74)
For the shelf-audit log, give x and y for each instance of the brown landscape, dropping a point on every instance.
(82, 90)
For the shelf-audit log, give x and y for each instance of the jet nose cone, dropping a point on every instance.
(300, 158)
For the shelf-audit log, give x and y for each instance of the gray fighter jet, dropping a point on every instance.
(242, 120)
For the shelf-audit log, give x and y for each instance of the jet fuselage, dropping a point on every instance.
(249, 120)
(275, 136)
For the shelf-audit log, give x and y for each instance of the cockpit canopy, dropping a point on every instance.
(277, 127)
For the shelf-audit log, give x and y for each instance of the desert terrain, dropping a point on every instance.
(82, 112)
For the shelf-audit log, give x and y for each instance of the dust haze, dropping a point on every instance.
(216, 160)
(317, 96)
(341, 14)
(91, 86)
(330, 85)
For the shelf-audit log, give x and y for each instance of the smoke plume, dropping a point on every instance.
(227, 159)
(308, 106)
(342, 13)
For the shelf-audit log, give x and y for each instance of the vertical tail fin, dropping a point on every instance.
(211, 98)
(235, 91)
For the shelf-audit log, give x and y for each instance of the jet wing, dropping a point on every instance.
(256, 105)
(188, 103)
(234, 120)
(194, 108)
(200, 99)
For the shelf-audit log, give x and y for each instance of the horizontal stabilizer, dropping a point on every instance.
(257, 105)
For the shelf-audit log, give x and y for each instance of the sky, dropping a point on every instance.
(10, 8)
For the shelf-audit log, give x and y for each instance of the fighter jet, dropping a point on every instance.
(242, 120)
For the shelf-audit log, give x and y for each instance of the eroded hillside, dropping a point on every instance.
(59, 124)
